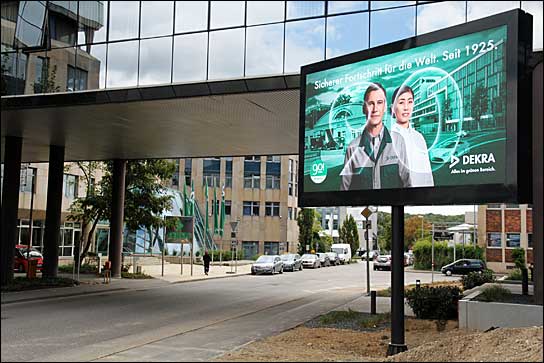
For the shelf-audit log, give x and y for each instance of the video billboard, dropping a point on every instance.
(424, 119)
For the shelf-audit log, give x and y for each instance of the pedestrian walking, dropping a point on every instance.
(107, 272)
(207, 258)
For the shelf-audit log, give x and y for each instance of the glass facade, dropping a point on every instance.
(59, 46)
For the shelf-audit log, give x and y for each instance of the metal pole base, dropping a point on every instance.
(396, 349)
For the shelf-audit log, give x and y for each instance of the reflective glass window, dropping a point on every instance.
(13, 73)
(390, 25)
(389, 4)
(513, 240)
(347, 34)
(336, 7)
(226, 54)
(92, 21)
(124, 19)
(62, 26)
(157, 18)
(59, 61)
(30, 27)
(190, 52)
(9, 12)
(92, 58)
(261, 12)
(494, 239)
(535, 8)
(304, 43)
(76, 79)
(305, 9)
(264, 50)
(427, 21)
(155, 61)
(191, 16)
(224, 14)
(122, 64)
(481, 9)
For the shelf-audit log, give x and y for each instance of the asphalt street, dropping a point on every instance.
(191, 321)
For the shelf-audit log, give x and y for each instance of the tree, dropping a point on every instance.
(47, 83)
(325, 243)
(412, 230)
(145, 198)
(479, 104)
(305, 221)
(348, 233)
(384, 231)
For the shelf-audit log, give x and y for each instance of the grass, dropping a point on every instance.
(23, 284)
(350, 316)
(494, 293)
(515, 275)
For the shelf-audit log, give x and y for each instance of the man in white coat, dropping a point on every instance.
(421, 174)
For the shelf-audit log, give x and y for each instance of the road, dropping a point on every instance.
(193, 321)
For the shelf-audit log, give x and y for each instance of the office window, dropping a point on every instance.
(28, 180)
(228, 173)
(513, 240)
(155, 61)
(191, 16)
(264, 50)
(228, 207)
(494, 206)
(290, 215)
(272, 182)
(271, 248)
(262, 12)
(304, 9)
(188, 170)
(62, 25)
(336, 7)
(77, 79)
(347, 34)
(304, 43)
(190, 57)
(124, 20)
(226, 54)
(70, 185)
(92, 57)
(211, 171)
(225, 14)
(383, 30)
(427, 21)
(175, 176)
(92, 21)
(272, 209)
(494, 239)
(251, 208)
(157, 18)
(40, 74)
(252, 172)
(529, 240)
(122, 65)
(252, 181)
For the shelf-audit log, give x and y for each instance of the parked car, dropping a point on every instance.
(373, 254)
(291, 262)
(20, 263)
(267, 264)
(463, 267)
(310, 260)
(333, 258)
(408, 259)
(323, 259)
(383, 262)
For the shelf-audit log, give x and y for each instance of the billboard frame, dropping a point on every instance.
(517, 187)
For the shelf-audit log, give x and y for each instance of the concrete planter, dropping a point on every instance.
(481, 315)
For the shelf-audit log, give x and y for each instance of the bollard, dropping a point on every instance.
(373, 302)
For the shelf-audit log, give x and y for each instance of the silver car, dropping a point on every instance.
(383, 262)
(291, 262)
(333, 258)
(267, 264)
(310, 260)
(323, 259)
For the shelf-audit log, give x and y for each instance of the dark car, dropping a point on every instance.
(20, 262)
(291, 262)
(463, 267)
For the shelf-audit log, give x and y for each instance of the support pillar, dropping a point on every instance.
(397, 344)
(117, 217)
(10, 204)
(538, 180)
(51, 236)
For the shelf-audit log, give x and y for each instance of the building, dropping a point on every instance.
(501, 228)
(179, 79)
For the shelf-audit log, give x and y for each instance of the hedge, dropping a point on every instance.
(434, 302)
(443, 254)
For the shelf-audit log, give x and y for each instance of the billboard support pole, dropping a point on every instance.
(397, 344)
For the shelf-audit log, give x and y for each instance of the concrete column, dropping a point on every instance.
(117, 216)
(538, 180)
(53, 212)
(10, 204)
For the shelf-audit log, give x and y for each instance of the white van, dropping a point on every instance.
(343, 250)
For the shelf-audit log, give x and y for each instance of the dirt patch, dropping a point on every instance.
(425, 343)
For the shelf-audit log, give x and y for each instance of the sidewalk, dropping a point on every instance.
(92, 284)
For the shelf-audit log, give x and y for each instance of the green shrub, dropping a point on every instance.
(139, 276)
(474, 279)
(226, 255)
(518, 254)
(494, 293)
(515, 274)
(443, 254)
(84, 269)
(434, 302)
(22, 283)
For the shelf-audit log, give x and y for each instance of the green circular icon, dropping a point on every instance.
(318, 172)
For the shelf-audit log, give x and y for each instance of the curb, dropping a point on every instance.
(208, 278)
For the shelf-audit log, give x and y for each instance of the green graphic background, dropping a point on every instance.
(459, 106)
